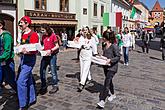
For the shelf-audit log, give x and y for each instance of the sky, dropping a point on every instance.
(150, 3)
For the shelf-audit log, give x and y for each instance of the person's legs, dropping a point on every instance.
(163, 53)
(107, 82)
(53, 67)
(22, 85)
(44, 64)
(127, 55)
(85, 71)
(124, 53)
(8, 71)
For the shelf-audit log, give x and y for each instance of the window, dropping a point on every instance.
(40, 4)
(85, 11)
(64, 5)
(102, 10)
(101, 30)
(95, 10)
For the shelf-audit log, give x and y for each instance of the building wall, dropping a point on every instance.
(145, 12)
(117, 7)
(160, 20)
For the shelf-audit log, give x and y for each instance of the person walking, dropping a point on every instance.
(50, 43)
(64, 40)
(88, 48)
(7, 66)
(162, 41)
(145, 41)
(25, 80)
(126, 45)
(119, 41)
(111, 53)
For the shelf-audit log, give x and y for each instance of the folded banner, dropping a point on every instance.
(73, 44)
(99, 60)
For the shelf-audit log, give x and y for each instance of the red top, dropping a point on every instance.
(49, 42)
(33, 37)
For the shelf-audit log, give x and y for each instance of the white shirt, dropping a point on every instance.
(64, 36)
(127, 38)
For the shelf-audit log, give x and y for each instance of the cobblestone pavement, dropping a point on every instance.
(140, 86)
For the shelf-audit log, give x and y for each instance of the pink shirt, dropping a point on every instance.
(49, 42)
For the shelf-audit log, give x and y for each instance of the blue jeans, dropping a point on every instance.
(25, 81)
(126, 54)
(48, 60)
(65, 43)
(8, 73)
(1, 76)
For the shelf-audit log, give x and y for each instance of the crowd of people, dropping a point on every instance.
(114, 45)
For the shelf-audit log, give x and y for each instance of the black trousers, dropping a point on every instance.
(145, 45)
(108, 84)
(163, 53)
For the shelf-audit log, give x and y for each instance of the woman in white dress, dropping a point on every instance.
(88, 48)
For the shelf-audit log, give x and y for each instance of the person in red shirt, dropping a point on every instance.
(25, 80)
(50, 43)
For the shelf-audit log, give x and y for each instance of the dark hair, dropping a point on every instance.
(127, 29)
(110, 36)
(108, 27)
(3, 23)
(48, 29)
(79, 30)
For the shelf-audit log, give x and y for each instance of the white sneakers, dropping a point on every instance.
(111, 97)
(102, 102)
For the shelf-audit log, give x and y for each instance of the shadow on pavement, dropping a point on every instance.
(95, 88)
(9, 101)
(154, 58)
(76, 75)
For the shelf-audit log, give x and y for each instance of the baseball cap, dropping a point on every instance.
(26, 19)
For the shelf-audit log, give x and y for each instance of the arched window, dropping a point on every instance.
(64, 5)
(40, 4)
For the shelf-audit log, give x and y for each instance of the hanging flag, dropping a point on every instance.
(106, 19)
(112, 19)
(133, 12)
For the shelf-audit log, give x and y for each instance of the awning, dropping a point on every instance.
(54, 22)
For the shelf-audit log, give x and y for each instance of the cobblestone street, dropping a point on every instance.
(139, 86)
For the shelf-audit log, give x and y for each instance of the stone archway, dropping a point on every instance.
(9, 22)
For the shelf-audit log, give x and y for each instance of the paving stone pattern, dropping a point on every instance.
(139, 86)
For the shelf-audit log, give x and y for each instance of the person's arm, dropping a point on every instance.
(116, 54)
(7, 40)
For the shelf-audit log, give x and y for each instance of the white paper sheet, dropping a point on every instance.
(73, 44)
(99, 60)
(28, 47)
(43, 53)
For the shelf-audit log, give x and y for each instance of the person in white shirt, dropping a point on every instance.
(127, 38)
(88, 47)
(64, 40)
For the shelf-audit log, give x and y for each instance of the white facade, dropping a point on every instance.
(118, 7)
(75, 7)
(89, 19)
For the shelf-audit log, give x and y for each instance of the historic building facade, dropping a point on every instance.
(69, 15)
(8, 13)
(59, 14)
(157, 14)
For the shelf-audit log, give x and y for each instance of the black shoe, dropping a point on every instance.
(80, 88)
(43, 91)
(54, 89)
